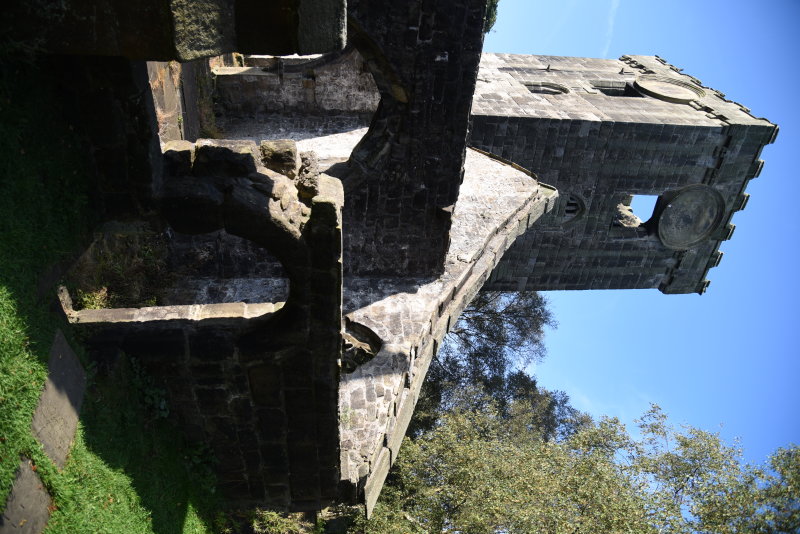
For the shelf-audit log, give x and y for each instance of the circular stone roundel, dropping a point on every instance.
(668, 89)
(691, 216)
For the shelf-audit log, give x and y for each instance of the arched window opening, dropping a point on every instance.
(546, 88)
(616, 88)
(633, 215)
(572, 208)
(643, 206)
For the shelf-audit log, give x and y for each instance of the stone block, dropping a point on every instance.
(56, 415)
(305, 487)
(211, 345)
(166, 345)
(281, 156)
(27, 508)
(181, 30)
(302, 428)
(224, 158)
(274, 459)
(242, 409)
(374, 483)
(212, 401)
(265, 385)
(178, 156)
(235, 489)
(271, 422)
(278, 495)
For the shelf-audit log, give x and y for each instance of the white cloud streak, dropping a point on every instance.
(612, 15)
(556, 28)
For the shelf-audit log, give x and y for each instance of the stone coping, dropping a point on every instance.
(190, 312)
(241, 71)
(497, 202)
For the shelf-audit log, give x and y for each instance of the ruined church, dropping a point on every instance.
(330, 194)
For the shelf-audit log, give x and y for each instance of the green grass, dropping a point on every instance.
(42, 214)
(129, 470)
(144, 481)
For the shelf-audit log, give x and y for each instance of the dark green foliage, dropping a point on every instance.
(480, 471)
(490, 451)
(497, 336)
(491, 15)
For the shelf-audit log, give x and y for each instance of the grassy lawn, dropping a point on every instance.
(129, 470)
(42, 217)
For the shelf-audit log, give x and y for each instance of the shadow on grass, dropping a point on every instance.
(129, 471)
(126, 436)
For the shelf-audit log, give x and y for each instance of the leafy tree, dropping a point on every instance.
(496, 338)
(697, 483)
(491, 451)
(480, 471)
(491, 15)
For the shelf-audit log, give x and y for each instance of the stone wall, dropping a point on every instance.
(587, 127)
(182, 99)
(411, 317)
(258, 382)
(177, 29)
(406, 171)
(110, 102)
(336, 83)
(403, 177)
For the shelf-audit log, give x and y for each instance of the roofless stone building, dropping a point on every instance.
(313, 281)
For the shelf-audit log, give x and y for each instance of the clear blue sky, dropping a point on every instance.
(732, 356)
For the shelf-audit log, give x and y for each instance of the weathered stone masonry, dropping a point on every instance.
(259, 382)
(412, 315)
(406, 171)
(601, 131)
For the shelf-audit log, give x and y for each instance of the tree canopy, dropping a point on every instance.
(492, 451)
(489, 348)
(479, 471)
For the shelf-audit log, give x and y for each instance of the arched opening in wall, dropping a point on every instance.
(546, 88)
(135, 266)
(324, 103)
(633, 215)
(219, 267)
(572, 208)
(643, 206)
(616, 88)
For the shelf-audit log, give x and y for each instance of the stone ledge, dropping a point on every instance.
(191, 312)
(26, 510)
(56, 417)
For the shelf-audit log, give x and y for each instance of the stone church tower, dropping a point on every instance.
(602, 131)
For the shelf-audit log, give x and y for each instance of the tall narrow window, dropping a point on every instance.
(573, 208)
